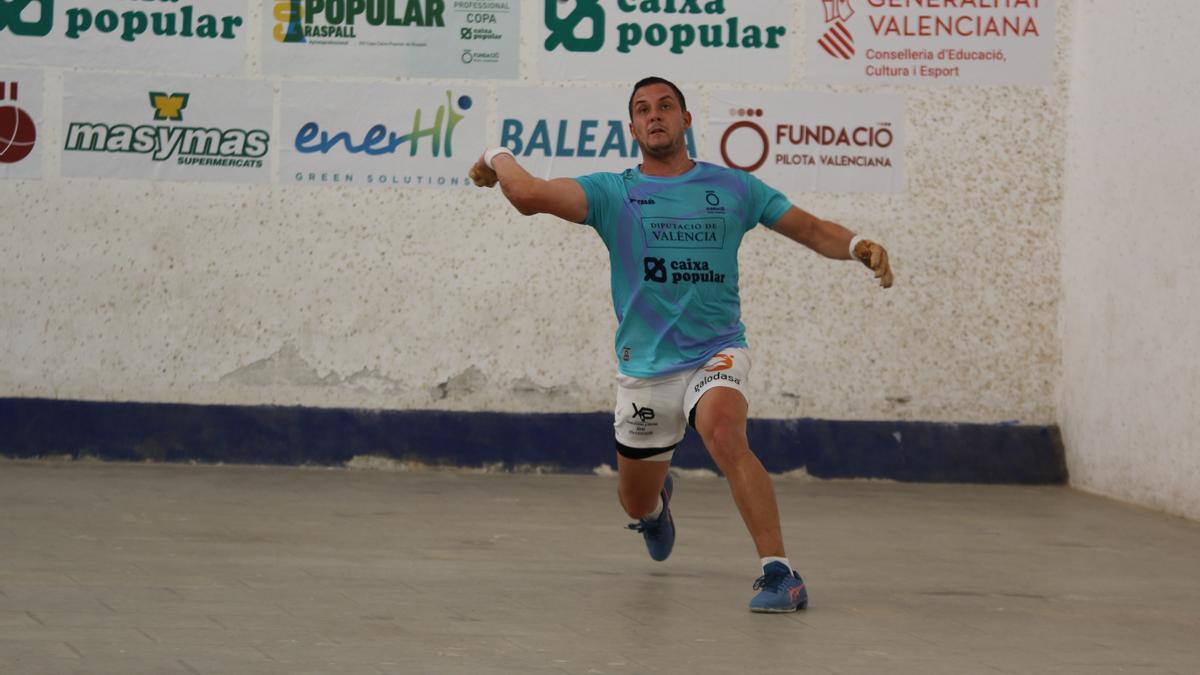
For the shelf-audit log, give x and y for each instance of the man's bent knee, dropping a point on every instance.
(641, 474)
(722, 434)
(725, 442)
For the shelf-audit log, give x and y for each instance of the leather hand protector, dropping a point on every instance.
(482, 175)
(874, 256)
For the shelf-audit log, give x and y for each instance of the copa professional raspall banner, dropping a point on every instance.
(392, 38)
(188, 36)
(742, 41)
(935, 42)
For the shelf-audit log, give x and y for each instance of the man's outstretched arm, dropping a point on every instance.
(833, 241)
(562, 197)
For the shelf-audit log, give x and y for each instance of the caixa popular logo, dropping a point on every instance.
(33, 18)
(18, 134)
(164, 18)
(652, 23)
(188, 145)
(380, 139)
(562, 137)
(747, 145)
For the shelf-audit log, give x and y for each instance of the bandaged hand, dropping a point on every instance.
(482, 175)
(874, 256)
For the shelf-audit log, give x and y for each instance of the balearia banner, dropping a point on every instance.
(21, 120)
(810, 142)
(166, 127)
(930, 41)
(735, 41)
(381, 136)
(176, 36)
(392, 38)
(557, 132)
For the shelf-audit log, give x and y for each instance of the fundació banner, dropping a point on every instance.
(380, 136)
(935, 42)
(742, 41)
(166, 127)
(392, 38)
(177, 36)
(810, 142)
(21, 122)
(556, 132)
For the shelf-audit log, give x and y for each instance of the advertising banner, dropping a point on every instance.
(176, 36)
(557, 132)
(372, 135)
(939, 42)
(809, 142)
(734, 41)
(392, 38)
(166, 127)
(21, 120)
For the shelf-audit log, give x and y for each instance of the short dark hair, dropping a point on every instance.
(653, 79)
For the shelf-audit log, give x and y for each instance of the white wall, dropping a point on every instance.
(1129, 404)
(341, 296)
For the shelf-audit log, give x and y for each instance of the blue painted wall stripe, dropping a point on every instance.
(570, 442)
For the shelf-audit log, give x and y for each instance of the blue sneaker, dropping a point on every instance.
(782, 591)
(660, 532)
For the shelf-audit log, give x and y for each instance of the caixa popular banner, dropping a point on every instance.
(938, 42)
(176, 36)
(734, 41)
(810, 142)
(380, 136)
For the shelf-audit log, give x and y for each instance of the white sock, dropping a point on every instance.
(656, 512)
(770, 559)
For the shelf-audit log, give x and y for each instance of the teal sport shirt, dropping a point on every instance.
(672, 246)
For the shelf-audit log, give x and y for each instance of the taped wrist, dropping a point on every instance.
(853, 244)
(493, 153)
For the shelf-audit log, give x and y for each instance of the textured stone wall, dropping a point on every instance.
(405, 299)
(1129, 405)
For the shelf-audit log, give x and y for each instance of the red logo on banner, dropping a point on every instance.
(17, 132)
(837, 40)
(766, 143)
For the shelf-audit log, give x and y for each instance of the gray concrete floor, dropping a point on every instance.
(123, 569)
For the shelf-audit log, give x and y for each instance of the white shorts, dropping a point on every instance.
(652, 413)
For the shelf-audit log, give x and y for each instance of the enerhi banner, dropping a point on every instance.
(177, 36)
(380, 136)
(733, 41)
(930, 41)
